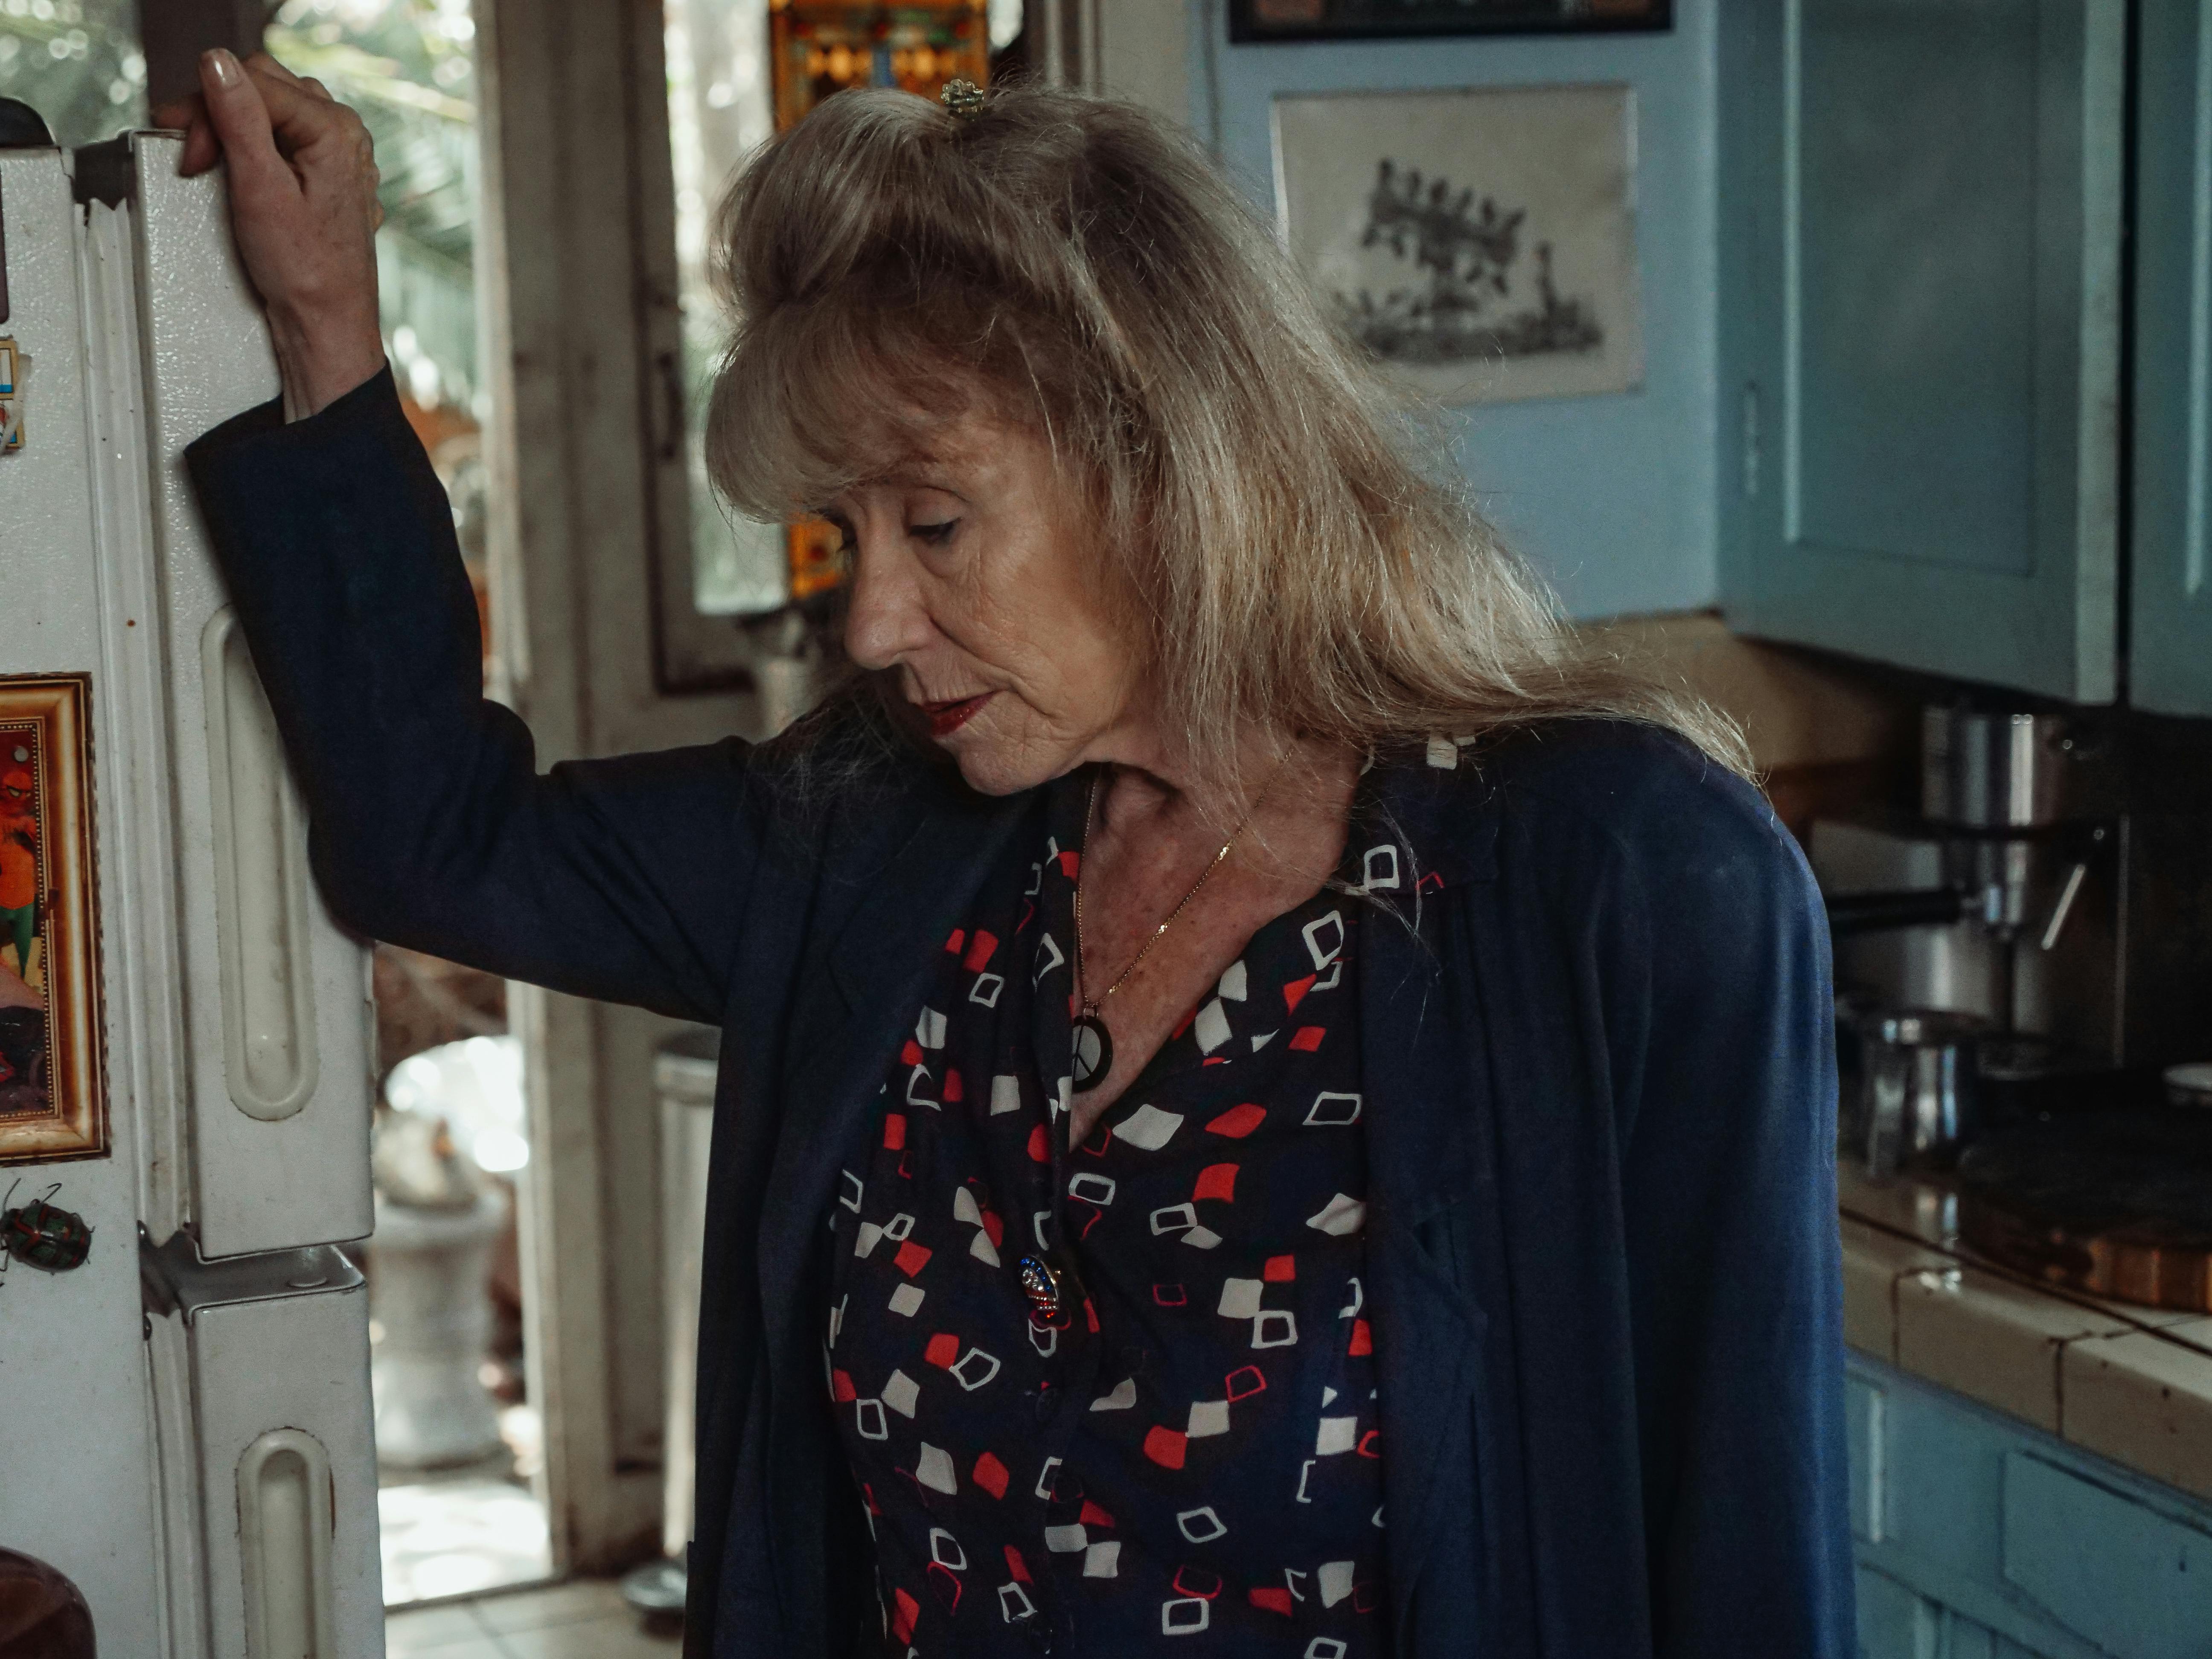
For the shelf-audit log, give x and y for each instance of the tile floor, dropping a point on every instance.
(586, 1619)
(456, 1537)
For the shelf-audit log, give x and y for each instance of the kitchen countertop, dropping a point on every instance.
(2133, 1385)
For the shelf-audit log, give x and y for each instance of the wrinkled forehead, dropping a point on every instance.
(956, 454)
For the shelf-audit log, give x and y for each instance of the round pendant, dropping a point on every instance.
(1094, 1052)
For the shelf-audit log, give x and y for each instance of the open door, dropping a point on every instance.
(187, 1436)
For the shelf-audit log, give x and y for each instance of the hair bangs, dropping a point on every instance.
(815, 396)
(810, 401)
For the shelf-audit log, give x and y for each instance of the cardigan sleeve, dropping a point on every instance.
(1722, 1038)
(429, 823)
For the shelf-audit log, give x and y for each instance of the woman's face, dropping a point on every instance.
(971, 581)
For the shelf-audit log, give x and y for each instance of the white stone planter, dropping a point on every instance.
(427, 1297)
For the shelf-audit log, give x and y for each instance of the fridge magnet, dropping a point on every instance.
(52, 1092)
(1340, 20)
(12, 364)
(1480, 242)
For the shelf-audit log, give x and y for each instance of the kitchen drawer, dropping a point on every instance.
(1898, 1622)
(1975, 1534)
(2114, 1569)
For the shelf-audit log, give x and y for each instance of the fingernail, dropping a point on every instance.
(223, 65)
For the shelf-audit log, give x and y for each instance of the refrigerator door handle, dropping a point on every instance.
(285, 1523)
(270, 1058)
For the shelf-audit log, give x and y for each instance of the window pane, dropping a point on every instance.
(718, 111)
(408, 68)
(75, 62)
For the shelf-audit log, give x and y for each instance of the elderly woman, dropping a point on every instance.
(1271, 1103)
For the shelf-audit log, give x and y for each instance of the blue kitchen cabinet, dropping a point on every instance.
(2169, 656)
(1978, 1536)
(1919, 333)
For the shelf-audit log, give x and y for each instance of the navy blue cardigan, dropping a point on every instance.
(1602, 1240)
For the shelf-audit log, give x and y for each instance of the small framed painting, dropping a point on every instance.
(53, 1101)
(1253, 21)
(1480, 242)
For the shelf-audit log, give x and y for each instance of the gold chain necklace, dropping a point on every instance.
(1093, 1050)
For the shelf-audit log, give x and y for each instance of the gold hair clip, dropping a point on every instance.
(962, 98)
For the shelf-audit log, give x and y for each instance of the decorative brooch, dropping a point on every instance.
(962, 98)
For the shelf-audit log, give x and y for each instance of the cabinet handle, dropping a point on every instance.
(1751, 440)
(268, 988)
(286, 1515)
(674, 405)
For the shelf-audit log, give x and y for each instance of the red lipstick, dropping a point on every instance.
(947, 718)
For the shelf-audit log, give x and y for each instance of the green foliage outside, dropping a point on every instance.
(409, 67)
(77, 62)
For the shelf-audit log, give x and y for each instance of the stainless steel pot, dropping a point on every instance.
(1919, 1077)
(2190, 1085)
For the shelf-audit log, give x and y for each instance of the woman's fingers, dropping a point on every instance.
(242, 121)
(281, 92)
(262, 63)
(189, 117)
(303, 207)
(299, 119)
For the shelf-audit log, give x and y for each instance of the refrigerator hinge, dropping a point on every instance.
(175, 1279)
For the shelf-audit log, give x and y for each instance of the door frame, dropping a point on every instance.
(576, 286)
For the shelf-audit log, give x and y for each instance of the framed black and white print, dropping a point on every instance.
(1480, 242)
(1255, 21)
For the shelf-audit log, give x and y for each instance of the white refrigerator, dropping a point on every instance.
(185, 1416)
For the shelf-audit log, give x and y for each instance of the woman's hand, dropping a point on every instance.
(303, 207)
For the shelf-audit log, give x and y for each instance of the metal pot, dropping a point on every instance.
(2190, 1085)
(1993, 771)
(1919, 1076)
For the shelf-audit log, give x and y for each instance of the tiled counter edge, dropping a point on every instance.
(2130, 1384)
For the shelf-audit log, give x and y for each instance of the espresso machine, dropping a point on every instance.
(1980, 940)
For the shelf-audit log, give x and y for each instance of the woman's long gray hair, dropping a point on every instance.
(1276, 522)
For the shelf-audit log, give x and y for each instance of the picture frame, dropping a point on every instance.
(53, 1093)
(1478, 242)
(1254, 21)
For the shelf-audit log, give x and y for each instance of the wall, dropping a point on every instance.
(1611, 496)
(1830, 737)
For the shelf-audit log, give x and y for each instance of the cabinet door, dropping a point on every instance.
(2169, 657)
(1919, 332)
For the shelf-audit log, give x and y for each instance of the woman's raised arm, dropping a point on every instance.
(429, 823)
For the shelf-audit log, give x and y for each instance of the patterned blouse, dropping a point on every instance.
(1190, 1448)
